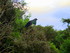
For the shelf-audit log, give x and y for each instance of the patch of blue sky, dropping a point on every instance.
(62, 13)
(53, 18)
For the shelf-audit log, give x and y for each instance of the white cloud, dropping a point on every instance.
(46, 5)
(42, 9)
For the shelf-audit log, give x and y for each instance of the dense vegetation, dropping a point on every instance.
(15, 38)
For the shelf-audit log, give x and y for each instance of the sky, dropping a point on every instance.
(49, 12)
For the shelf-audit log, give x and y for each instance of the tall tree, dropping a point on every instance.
(7, 11)
(66, 21)
(9, 15)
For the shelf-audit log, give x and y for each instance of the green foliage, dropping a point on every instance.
(50, 33)
(53, 48)
(7, 12)
(35, 41)
(15, 38)
(19, 22)
(65, 47)
(16, 34)
(66, 20)
(38, 47)
(59, 38)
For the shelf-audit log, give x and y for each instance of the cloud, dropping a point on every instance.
(40, 6)
(50, 12)
(53, 18)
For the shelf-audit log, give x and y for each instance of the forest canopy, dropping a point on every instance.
(15, 38)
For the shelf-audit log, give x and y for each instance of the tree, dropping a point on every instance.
(50, 33)
(9, 18)
(7, 12)
(66, 21)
